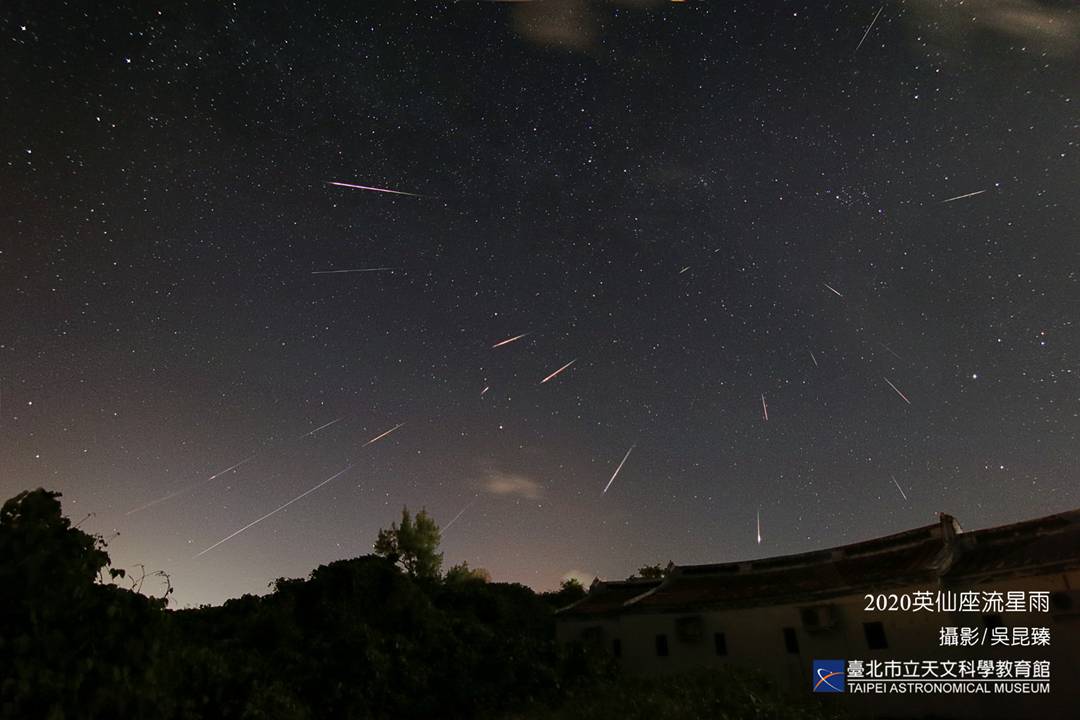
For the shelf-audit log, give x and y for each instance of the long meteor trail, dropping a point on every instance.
(896, 389)
(904, 494)
(961, 197)
(351, 270)
(460, 513)
(372, 189)
(832, 288)
(552, 375)
(868, 29)
(380, 437)
(192, 486)
(164, 498)
(275, 511)
(764, 408)
(614, 474)
(507, 341)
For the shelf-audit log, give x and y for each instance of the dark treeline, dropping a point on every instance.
(360, 638)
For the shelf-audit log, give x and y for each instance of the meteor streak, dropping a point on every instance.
(507, 341)
(460, 513)
(190, 487)
(904, 494)
(897, 390)
(162, 499)
(216, 475)
(961, 197)
(353, 270)
(321, 427)
(890, 350)
(484, 391)
(868, 28)
(552, 375)
(832, 288)
(759, 526)
(623, 462)
(275, 511)
(764, 408)
(380, 437)
(373, 189)
(814, 359)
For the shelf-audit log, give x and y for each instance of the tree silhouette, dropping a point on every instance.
(651, 572)
(368, 637)
(413, 544)
(570, 591)
(71, 644)
(48, 554)
(464, 573)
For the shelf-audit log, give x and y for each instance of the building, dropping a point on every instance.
(866, 601)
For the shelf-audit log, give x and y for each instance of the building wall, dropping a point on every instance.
(755, 638)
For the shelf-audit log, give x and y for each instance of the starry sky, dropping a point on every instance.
(736, 220)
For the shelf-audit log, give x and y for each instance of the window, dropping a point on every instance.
(616, 647)
(875, 636)
(690, 629)
(720, 643)
(661, 646)
(791, 641)
(817, 618)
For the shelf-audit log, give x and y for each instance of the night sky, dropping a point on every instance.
(718, 210)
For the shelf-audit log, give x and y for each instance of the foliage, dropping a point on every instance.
(464, 573)
(69, 645)
(650, 572)
(371, 637)
(570, 591)
(361, 638)
(414, 544)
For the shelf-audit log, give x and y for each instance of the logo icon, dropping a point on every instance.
(828, 676)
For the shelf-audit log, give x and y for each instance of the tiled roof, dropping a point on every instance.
(920, 556)
(799, 583)
(1034, 546)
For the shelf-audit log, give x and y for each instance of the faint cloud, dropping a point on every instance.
(567, 24)
(1044, 28)
(563, 23)
(512, 484)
